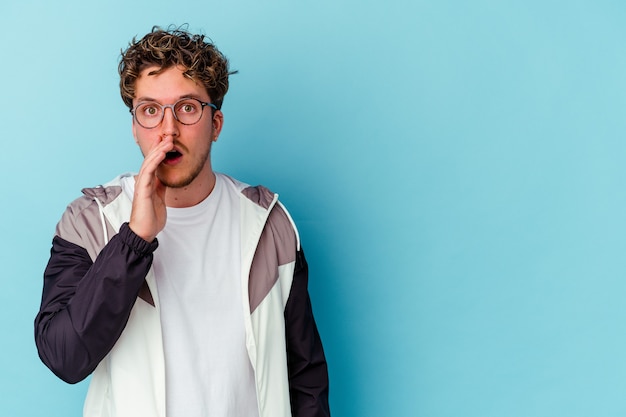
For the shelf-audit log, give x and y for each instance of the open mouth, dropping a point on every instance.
(172, 156)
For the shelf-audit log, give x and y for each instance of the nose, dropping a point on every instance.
(169, 124)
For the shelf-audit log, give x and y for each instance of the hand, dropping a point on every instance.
(148, 214)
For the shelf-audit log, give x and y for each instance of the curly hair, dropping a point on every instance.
(175, 46)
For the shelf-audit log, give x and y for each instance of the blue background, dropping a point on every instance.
(456, 170)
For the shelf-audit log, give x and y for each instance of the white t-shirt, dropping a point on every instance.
(197, 269)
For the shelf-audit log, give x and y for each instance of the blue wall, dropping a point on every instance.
(456, 170)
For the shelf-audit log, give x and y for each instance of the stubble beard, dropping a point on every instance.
(185, 181)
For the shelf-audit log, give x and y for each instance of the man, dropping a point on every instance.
(182, 290)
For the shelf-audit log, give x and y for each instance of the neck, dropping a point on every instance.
(192, 194)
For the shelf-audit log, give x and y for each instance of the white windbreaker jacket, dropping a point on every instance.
(82, 327)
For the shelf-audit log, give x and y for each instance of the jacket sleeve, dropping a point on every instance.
(308, 373)
(85, 305)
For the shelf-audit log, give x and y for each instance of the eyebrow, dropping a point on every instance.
(144, 99)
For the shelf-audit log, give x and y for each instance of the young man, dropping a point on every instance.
(181, 290)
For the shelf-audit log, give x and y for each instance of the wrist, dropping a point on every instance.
(136, 242)
(148, 237)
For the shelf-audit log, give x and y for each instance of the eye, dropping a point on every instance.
(188, 107)
(149, 110)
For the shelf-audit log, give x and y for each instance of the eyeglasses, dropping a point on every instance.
(187, 111)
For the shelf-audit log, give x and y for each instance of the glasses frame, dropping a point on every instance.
(172, 106)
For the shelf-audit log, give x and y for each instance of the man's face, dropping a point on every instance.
(190, 159)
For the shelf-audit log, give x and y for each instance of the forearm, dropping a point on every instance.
(308, 373)
(85, 305)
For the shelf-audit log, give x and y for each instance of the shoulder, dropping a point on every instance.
(279, 220)
(82, 216)
(283, 225)
(257, 194)
(79, 212)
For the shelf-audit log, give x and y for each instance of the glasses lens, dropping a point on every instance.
(188, 111)
(149, 114)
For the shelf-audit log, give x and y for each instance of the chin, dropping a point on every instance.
(175, 181)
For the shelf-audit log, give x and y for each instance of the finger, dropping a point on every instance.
(152, 161)
(158, 152)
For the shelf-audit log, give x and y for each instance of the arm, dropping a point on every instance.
(308, 373)
(85, 305)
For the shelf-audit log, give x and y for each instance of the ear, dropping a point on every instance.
(217, 123)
